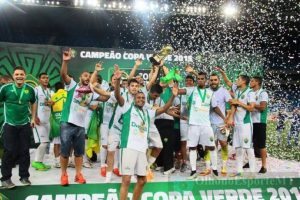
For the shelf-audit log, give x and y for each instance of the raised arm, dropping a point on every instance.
(118, 96)
(191, 70)
(163, 109)
(94, 77)
(138, 62)
(67, 55)
(99, 90)
(155, 70)
(224, 75)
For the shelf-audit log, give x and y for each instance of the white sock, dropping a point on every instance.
(40, 152)
(193, 159)
(116, 159)
(103, 155)
(251, 158)
(108, 177)
(214, 159)
(240, 159)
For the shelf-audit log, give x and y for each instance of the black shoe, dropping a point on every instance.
(25, 181)
(8, 184)
(262, 170)
(183, 167)
(246, 165)
(215, 172)
(193, 175)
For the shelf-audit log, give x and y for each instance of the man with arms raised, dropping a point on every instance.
(72, 121)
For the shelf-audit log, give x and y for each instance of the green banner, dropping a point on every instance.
(258, 189)
(47, 58)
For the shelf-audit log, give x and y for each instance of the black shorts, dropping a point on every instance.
(177, 140)
(259, 135)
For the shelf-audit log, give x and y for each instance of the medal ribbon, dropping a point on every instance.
(46, 93)
(241, 93)
(22, 92)
(202, 96)
(142, 117)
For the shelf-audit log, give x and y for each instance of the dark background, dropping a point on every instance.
(270, 28)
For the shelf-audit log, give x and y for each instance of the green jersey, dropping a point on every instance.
(17, 103)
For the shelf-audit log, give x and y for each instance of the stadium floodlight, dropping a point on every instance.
(230, 10)
(153, 6)
(140, 5)
(92, 3)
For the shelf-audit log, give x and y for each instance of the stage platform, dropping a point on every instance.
(282, 181)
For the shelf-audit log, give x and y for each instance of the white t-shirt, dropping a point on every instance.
(161, 103)
(184, 110)
(199, 106)
(221, 97)
(135, 129)
(117, 124)
(109, 108)
(76, 105)
(43, 111)
(260, 116)
(241, 115)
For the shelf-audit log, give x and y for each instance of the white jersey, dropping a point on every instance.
(241, 115)
(109, 108)
(220, 97)
(76, 105)
(135, 129)
(117, 123)
(152, 104)
(43, 111)
(162, 102)
(199, 104)
(88, 115)
(184, 111)
(260, 116)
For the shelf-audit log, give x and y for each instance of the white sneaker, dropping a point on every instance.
(71, 164)
(87, 164)
(57, 165)
(170, 171)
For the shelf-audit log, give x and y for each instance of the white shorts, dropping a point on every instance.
(155, 140)
(41, 133)
(184, 128)
(218, 134)
(242, 136)
(199, 134)
(56, 140)
(104, 134)
(113, 141)
(133, 162)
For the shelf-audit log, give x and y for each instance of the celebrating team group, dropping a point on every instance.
(140, 126)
